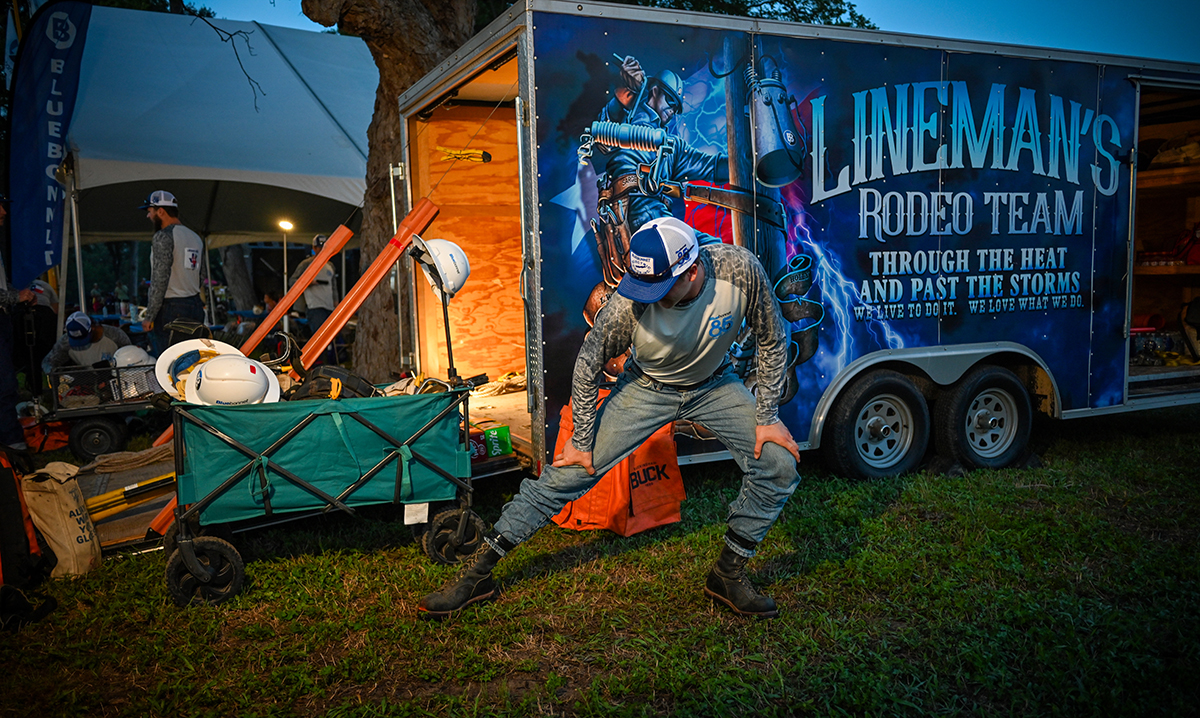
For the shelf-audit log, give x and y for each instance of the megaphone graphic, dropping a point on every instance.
(778, 144)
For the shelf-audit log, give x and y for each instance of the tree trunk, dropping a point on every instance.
(237, 277)
(407, 38)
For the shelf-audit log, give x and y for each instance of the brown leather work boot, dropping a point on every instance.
(728, 583)
(473, 584)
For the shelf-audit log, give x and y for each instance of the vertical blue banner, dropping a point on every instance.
(44, 90)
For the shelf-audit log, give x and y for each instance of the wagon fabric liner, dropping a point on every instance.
(330, 454)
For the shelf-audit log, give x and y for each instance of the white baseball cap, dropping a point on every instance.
(159, 198)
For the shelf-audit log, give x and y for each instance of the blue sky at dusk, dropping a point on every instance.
(1158, 29)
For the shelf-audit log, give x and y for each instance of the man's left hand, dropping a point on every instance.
(775, 433)
(147, 325)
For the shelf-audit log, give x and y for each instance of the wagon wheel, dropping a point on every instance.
(171, 537)
(216, 554)
(441, 540)
(94, 437)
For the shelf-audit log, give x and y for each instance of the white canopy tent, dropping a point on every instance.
(277, 130)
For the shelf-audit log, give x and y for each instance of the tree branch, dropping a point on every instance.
(229, 37)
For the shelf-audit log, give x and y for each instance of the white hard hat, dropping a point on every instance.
(178, 360)
(447, 260)
(231, 380)
(132, 355)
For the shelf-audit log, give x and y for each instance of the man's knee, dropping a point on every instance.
(776, 461)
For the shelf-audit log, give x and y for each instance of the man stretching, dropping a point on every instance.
(680, 306)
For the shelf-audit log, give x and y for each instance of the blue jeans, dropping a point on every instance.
(316, 317)
(172, 309)
(636, 408)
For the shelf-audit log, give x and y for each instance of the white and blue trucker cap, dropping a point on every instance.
(159, 198)
(660, 251)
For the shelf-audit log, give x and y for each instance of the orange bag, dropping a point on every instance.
(45, 435)
(642, 491)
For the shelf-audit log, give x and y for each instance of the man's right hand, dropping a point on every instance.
(26, 296)
(147, 325)
(632, 72)
(571, 456)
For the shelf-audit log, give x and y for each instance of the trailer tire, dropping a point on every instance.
(94, 437)
(186, 589)
(983, 421)
(440, 540)
(879, 427)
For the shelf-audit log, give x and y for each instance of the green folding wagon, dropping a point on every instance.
(262, 464)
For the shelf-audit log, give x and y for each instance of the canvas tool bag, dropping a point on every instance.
(60, 512)
(643, 491)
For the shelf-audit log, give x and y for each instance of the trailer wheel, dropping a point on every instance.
(984, 420)
(441, 539)
(94, 437)
(217, 554)
(879, 427)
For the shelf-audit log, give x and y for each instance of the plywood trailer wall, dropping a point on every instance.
(481, 213)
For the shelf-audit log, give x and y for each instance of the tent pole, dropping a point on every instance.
(285, 281)
(62, 280)
(78, 240)
(210, 311)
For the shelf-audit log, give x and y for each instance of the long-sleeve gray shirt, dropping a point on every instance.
(9, 298)
(689, 342)
(174, 266)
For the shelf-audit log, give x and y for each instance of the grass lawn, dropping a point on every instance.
(1069, 589)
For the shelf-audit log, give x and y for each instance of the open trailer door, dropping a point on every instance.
(465, 154)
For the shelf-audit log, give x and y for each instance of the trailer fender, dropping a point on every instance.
(944, 365)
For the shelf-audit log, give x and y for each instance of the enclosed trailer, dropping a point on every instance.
(960, 233)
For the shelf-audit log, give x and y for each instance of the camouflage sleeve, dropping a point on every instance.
(58, 356)
(610, 337)
(770, 333)
(9, 298)
(164, 254)
(120, 338)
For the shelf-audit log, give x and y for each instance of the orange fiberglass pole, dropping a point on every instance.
(415, 222)
(333, 245)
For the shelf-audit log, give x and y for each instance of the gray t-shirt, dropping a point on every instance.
(688, 342)
(175, 258)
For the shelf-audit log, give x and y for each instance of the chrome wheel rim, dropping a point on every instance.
(991, 423)
(883, 431)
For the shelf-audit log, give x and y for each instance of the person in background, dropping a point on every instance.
(35, 329)
(84, 343)
(318, 298)
(11, 433)
(97, 299)
(121, 292)
(174, 270)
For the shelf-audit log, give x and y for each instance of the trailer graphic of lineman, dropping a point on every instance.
(950, 225)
